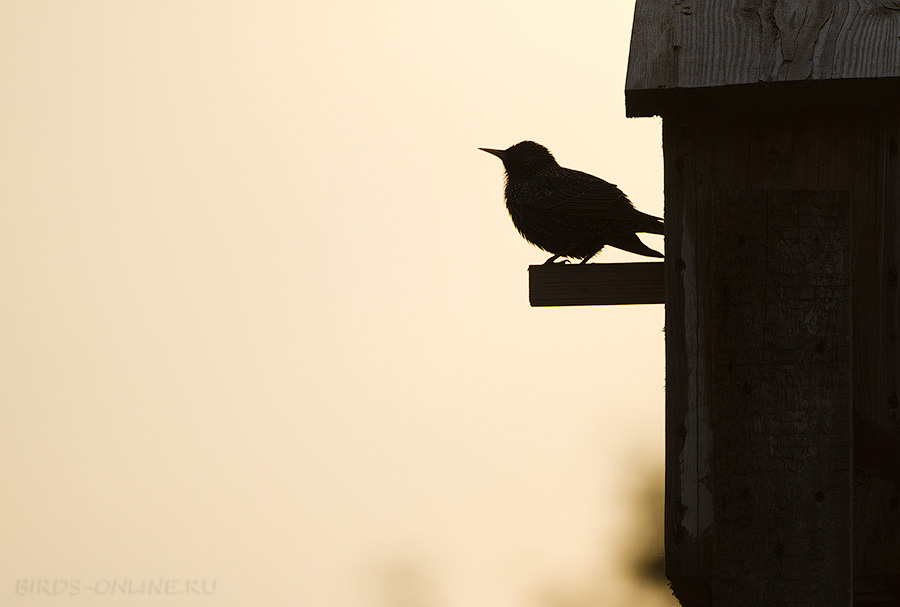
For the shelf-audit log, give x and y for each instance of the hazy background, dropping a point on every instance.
(264, 320)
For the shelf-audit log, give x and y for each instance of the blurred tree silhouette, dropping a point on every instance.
(641, 555)
(407, 583)
(646, 551)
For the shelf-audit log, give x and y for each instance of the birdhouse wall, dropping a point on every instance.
(783, 356)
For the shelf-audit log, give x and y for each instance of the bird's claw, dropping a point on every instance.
(552, 261)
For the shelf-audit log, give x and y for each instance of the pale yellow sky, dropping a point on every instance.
(265, 322)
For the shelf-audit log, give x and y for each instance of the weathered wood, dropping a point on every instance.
(781, 138)
(689, 514)
(679, 43)
(848, 95)
(779, 398)
(877, 372)
(596, 284)
(679, 47)
(717, 161)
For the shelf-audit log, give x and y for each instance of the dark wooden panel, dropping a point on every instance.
(816, 95)
(689, 515)
(877, 364)
(779, 396)
(596, 284)
(708, 156)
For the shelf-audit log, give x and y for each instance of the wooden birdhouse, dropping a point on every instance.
(781, 127)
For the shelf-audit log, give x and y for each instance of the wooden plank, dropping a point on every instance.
(596, 284)
(679, 46)
(814, 95)
(688, 511)
(877, 332)
(726, 42)
(779, 396)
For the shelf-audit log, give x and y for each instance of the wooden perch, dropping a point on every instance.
(596, 284)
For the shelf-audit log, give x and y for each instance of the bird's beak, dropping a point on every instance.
(498, 153)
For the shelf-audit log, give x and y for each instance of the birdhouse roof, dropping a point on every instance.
(685, 52)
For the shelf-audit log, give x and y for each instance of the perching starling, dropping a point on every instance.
(567, 212)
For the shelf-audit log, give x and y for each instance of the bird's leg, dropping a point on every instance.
(590, 256)
(553, 259)
(562, 254)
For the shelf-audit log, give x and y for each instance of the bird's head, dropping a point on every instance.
(525, 159)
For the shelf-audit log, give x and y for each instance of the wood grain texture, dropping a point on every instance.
(716, 160)
(779, 396)
(689, 513)
(596, 284)
(681, 43)
(877, 372)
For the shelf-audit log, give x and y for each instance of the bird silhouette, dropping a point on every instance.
(566, 212)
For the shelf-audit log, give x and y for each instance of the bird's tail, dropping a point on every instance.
(651, 224)
(633, 244)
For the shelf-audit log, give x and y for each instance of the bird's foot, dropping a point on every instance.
(552, 260)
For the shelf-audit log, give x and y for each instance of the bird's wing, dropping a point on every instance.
(577, 193)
